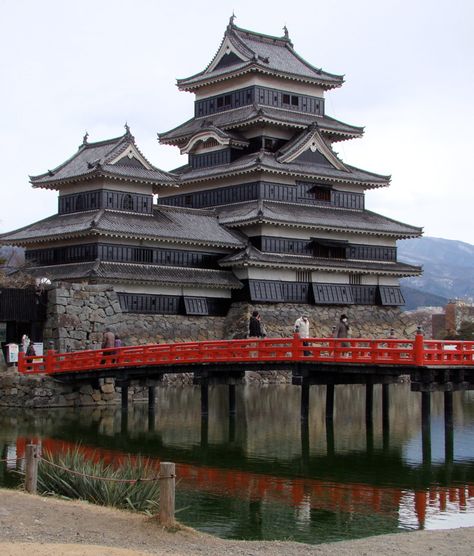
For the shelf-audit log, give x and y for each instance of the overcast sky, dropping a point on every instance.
(67, 67)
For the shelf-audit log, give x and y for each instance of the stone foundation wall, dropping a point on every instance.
(79, 314)
(18, 390)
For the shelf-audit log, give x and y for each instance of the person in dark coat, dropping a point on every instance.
(255, 326)
(343, 329)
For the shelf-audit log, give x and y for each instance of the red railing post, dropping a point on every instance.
(48, 361)
(419, 349)
(21, 362)
(296, 346)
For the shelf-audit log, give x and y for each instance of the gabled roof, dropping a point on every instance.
(174, 224)
(111, 272)
(253, 113)
(311, 140)
(264, 161)
(208, 132)
(251, 256)
(117, 158)
(314, 217)
(243, 51)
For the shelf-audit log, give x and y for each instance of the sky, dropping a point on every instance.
(92, 65)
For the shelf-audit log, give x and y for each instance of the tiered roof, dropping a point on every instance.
(251, 256)
(252, 114)
(314, 217)
(264, 161)
(117, 158)
(179, 225)
(112, 272)
(242, 52)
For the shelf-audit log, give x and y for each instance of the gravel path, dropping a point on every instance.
(60, 527)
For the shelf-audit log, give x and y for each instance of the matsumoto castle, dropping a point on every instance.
(262, 212)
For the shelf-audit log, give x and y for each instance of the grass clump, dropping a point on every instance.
(141, 496)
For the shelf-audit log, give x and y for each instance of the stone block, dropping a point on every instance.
(107, 388)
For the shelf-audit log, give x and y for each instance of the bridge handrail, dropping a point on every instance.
(380, 351)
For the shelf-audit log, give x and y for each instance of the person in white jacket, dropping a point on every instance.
(302, 329)
(302, 326)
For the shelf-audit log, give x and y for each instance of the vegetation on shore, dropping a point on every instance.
(131, 484)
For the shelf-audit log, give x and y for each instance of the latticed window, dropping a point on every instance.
(355, 279)
(303, 276)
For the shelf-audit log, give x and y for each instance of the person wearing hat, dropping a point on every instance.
(302, 329)
(343, 331)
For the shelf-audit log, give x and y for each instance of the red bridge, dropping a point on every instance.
(360, 356)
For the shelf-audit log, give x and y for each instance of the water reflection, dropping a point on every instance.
(362, 461)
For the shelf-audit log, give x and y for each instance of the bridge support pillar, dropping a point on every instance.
(385, 416)
(124, 387)
(426, 426)
(204, 397)
(304, 401)
(369, 402)
(448, 427)
(231, 399)
(151, 398)
(329, 402)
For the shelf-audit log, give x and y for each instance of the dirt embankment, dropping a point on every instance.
(49, 526)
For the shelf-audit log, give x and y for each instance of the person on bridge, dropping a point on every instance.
(256, 328)
(343, 331)
(108, 340)
(301, 328)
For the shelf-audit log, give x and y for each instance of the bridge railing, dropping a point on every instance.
(385, 351)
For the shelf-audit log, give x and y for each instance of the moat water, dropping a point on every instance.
(265, 474)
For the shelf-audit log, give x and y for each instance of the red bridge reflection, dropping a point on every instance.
(349, 498)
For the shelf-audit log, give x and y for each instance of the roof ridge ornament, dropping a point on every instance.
(285, 31)
(231, 19)
(128, 133)
(84, 139)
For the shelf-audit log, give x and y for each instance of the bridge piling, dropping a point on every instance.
(448, 427)
(124, 396)
(329, 402)
(426, 426)
(151, 398)
(304, 401)
(231, 399)
(385, 417)
(204, 397)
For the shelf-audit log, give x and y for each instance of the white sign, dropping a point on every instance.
(12, 353)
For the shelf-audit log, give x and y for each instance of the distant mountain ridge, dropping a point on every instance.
(448, 271)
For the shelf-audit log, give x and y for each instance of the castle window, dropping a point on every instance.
(321, 193)
(294, 100)
(303, 276)
(127, 202)
(285, 99)
(355, 279)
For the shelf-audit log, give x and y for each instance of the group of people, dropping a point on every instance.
(301, 327)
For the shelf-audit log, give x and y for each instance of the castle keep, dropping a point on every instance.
(264, 212)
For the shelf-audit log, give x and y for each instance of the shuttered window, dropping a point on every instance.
(332, 294)
(391, 295)
(196, 306)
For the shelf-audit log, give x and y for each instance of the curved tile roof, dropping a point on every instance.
(254, 257)
(95, 159)
(111, 272)
(266, 161)
(246, 115)
(264, 54)
(316, 217)
(167, 223)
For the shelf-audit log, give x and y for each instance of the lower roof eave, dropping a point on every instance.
(253, 221)
(117, 282)
(315, 267)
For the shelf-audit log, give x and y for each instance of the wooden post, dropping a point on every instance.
(31, 468)
(304, 411)
(418, 349)
(167, 493)
(329, 402)
(448, 427)
(204, 397)
(124, 386)
(232, 399)
(151, 398)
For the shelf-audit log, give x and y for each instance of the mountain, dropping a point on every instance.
(448, 271)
